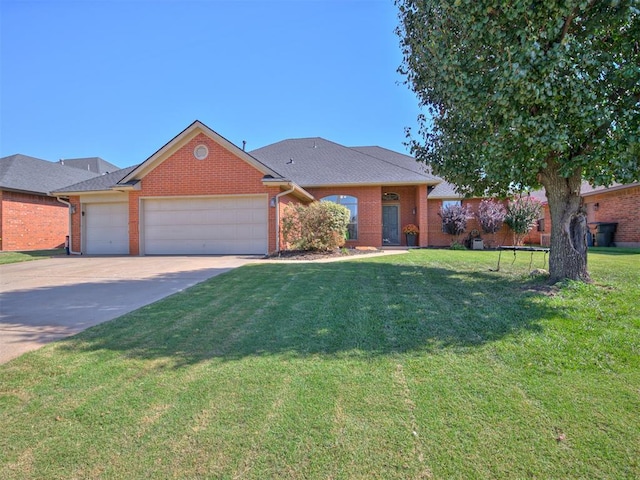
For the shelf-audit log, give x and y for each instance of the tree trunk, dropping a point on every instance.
(568, 254)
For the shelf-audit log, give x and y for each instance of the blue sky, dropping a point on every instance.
(118, 79)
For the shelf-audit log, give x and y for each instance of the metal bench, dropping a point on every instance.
(517, 249)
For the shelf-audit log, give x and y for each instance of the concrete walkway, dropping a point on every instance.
(45, 300)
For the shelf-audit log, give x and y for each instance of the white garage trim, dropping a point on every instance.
(204, 225)
(105, 228)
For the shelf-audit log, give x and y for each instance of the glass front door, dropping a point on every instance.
(390, 225)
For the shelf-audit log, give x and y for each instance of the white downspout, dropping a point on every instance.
(277, 198)
(70, 227)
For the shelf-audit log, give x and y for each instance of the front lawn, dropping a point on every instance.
(15, 257)
(422, 365)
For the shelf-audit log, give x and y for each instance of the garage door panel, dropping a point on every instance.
(106, 228)
(214, 225)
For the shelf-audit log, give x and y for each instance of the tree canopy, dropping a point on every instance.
(513, 86)
(520, 94)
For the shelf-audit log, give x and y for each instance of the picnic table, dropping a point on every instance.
(517, 248)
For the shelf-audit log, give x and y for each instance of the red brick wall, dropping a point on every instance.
(422, 215)
(75, 224)
(621, 206)
(221, 173)
(32, 222)
(409, 203)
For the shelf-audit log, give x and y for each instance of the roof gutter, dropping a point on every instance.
(298, 191)
(70, 228)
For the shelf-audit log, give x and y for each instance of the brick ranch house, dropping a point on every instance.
(201, 194)
(30, 218)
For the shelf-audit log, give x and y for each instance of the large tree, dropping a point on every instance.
(519, 94)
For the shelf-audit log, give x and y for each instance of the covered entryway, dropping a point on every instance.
(220, 225)
(106, 228)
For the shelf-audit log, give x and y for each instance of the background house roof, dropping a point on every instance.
(314, 162)
(34, 175)
(445, 190)
(91, 164)
(99, 183)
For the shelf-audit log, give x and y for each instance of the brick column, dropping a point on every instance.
(422, 215)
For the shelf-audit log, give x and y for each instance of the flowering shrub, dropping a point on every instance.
(454, 218)
(491, 216)
(318, 226)
(410, 229)
(522, 215)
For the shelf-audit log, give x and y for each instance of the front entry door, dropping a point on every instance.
(390, 225)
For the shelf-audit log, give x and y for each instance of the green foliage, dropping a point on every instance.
(457, 246)
(522, 215)
(521, 94)
(318, 226)
(512, 88)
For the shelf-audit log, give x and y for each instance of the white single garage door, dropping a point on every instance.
(106, 228)
(206, 225)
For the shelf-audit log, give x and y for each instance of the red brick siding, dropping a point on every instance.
(76, 241)
(181, 174)
(32, 222)
(422, 213)
(621, 206)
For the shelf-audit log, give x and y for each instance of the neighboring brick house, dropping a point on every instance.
(30, 218)
(616, 204)
(201, 194)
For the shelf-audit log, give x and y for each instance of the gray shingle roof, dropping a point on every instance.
(445, 190)
(91, 164)
(100, 183)
(313, 162)
(29, 174)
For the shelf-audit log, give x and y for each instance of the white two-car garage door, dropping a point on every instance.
(106, 227)
(234, 224)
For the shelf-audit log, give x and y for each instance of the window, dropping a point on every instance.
(390, 197)
(352, 204)
(449, 203)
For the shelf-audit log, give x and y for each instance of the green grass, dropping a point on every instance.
(422, 365)
(16, 257)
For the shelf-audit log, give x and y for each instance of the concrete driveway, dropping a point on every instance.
(45, 300)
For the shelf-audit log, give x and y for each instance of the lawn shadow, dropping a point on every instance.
(347, 308)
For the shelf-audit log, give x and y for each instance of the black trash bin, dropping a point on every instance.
(604, 233)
